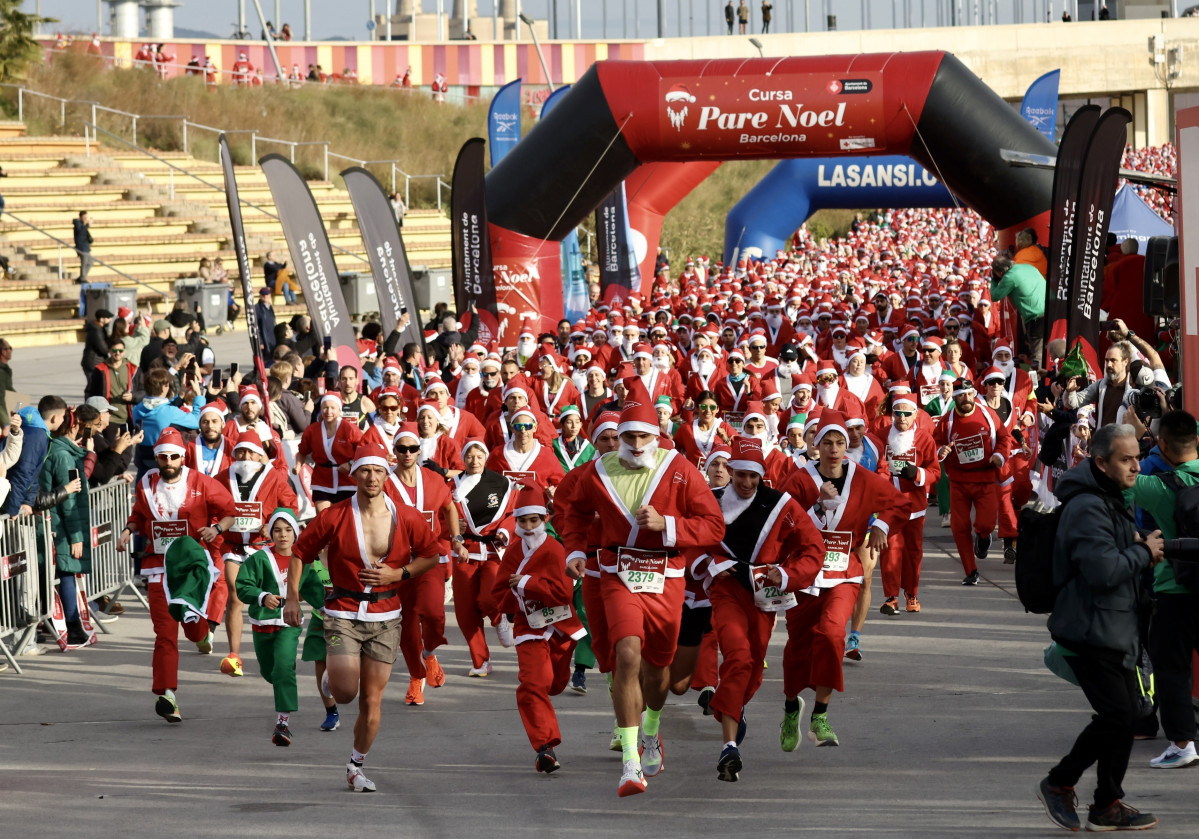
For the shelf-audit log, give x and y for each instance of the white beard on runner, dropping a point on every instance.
(643, 461)
(532, 539)
(733, 505)
(243, 470)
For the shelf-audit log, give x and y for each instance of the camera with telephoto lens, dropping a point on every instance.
(1185, 549)
(1148, 402)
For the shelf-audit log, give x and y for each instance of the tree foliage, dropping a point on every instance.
(17, 46)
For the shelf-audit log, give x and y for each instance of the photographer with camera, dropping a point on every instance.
(1111, 394)
(1174, 627)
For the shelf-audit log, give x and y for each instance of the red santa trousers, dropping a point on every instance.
(423, 624)
(816, 639)
(706, 670)
(984, 498)
(473, 604)
(654, 618)
(543, 671)
(1013, 495)
(166, 632)
(743, 631)
(901, 561)
(597, 623)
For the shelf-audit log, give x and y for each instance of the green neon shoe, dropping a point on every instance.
(820, 733)
(789, 731)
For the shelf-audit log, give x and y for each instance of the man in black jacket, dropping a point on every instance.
(1099, 557)
(95, 341)
(83, 244)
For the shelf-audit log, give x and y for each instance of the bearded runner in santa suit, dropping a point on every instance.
(485, 500)
(249, 418)
(210, 454)
(830, 393)
(532, 586)
(841, 498)
(256, 487)
(373, 545)
(170, 502)
(653, 504)
(770, 553)
(973, 446)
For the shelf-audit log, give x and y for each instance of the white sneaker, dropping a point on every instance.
(615, 745)
(945, 520)
(481, 672)
(503, 629)
(449, 592)
(632, 779)
(33, 650)
(1175, 758)
(652, 754)
(356, 781)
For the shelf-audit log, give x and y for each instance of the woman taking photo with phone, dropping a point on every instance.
(69, 520)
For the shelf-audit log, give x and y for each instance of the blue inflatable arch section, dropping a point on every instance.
(765, 219)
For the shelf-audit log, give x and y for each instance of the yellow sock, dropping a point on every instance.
(650, 722)
(628, 742)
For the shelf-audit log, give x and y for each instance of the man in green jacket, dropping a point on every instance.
(1174, 630)
(1025, 285)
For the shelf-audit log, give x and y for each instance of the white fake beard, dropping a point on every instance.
(732, 504)
(627, 345)
(579, 377)
(428, 447)
(1006, 367)
(526, 347)
(775, 321)
(467, 383)
(661, 363)
(789, 369)
(243, 470)
(901, 441)
(792, 311)
(644, 461)
(826, 395)
(706, 368)
(532, 539)
(772, 426)
(859, 386)
(615, 339)
(465, 484)
(390, 427)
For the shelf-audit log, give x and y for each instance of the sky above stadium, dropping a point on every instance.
(624, 18)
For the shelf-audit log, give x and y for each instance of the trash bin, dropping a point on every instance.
(432, 287)
(209, 301)
(95, 296)
(359, 291)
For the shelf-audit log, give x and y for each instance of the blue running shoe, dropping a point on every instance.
(332, 721)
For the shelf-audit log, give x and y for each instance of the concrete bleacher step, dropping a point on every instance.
(14, 146)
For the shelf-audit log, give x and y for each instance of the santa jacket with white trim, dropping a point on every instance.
(921, 452)
(325, 476)
(485, 510)
(769, 529)
(677, 492)
(429, 497)
(863, 494)
(205, 503)
(194, 458)
(271, 488)
(264, 572)
(543, 583)
(339, 527)
(957, 431)
(540, 460)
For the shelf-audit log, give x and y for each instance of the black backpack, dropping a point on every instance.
(1186, 521)
(1034, 556)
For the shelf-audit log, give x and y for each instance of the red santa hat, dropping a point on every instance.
(825, 367)
(998, 348)
(932, 342)
(516, 384)
(433, 383)
(530, 501)
(430, 406)
(904, 401)
(638, 414)
(909, 330)
(736, 354)
(407, 430)
(246, 393)
(525, 412)
(719, 450)
(170, 441)
(642, 350)
(746, 455)
(770, 389)
(753, 410)
(333, 397)
(389, 393)
(370, 454)
(993, 372)
(393, 363)
(249, 439)
(216, 406)
(830, 420)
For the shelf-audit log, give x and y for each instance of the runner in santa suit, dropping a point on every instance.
(860, 381)
(524, 459)
(770, 553)
(489, 384)
(696, 439)
(779, 331)
(1018, 386)
(468, 380)
(374, 545)
(830, 393)
(170, 502)
(898, 366)
(704, 375)
(257, 490)
(209, 454)
(329, 443)
(517, 396)
(974, 445)
(459, 425)
(841, 498)
(484, 500)
(242, 68)
(657, 382)
(423, 630)
(754, 425)
(653, 505)
(985, 329)
(387, 419)
(393, 379)
(802, 401)
(437, 448)
(910, 462)
(532, 586)
(570, 446)
(737, 388)
(1015, 482)
(249, 417)
(556, 390)
(924, 379)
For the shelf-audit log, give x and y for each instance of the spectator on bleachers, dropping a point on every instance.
(83, 244)
(278, 278)
(5, 379)
(264, 313)
(398, 208)
(95, 341)
(70, 518)
(219, 274)
(204, 272)
(160, 330)
(113, 380)
(285, 32)
(113, 447)
(36, 425)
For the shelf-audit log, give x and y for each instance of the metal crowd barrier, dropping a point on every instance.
(26, 590)
(112, 572)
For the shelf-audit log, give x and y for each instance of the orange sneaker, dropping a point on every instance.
(434, 675)
(231, 665)
(416, 692)
(913, 603)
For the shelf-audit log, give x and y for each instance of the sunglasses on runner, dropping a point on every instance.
(169, 457)
(522, 426)
(904, 413)
(826, 380)
(407, 449)
(487, 374)
(928, 351)
(388, 409)
(708, 407)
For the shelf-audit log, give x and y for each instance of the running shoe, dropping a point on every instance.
(480, 672)
(1009, 556)
(282, 735)
(653, 755)
(1175, 758)
(204, 646)
(789, 729)
(971, 579)
(913, 603)
(547, 761)
(1060, 804)
(615, 745)
(503, 631)
(945, 520)
(982, 544)
(729, 765)
(890, 606)
(167, 708)
(332, 721)
(416, 692)
(356, 781)
(1119, 816)
(632, 779)
(853, 647)
(705, 700)
(578, 682)
(231, 665)
(820, 733)
(434, 675)
(741, 729)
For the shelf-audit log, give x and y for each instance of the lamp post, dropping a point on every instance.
(528, 21)
(757, 44)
